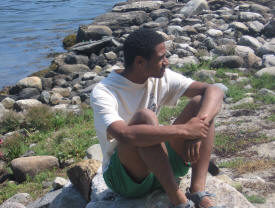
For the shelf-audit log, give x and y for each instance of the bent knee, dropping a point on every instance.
(196, 101)
(144, 116)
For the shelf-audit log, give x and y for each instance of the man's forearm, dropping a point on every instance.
(211, 104)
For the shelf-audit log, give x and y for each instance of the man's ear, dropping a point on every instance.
(139, 61)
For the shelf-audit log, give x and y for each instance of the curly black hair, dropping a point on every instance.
(141, 42)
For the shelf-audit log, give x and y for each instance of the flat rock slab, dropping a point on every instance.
(116, 20)
(225, 195)
(45, 201)
(146, 6)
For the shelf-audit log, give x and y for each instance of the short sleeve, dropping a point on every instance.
(105, 109)
(177, 85)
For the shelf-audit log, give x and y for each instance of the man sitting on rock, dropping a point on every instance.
(139, 154)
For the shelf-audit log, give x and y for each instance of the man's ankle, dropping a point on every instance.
(178, 198)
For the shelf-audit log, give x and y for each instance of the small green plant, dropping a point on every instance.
(271, 118)
(69, 41)
(14, 147)
(266, 99)
(11, 122)
(255, 199)
(247, 106)
(236, 92)
(265, 81)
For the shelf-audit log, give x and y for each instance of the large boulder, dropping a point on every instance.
(30, 82)
(92, 32)
(146, 6)
(8, 102)
(228, 61)
(69, 197)
(22, 198)
(267, 70)
(73, 69)
(115, 20)
(94, 152)
(226, 195)
(45, 200)
(82, 174)
(26, 104)
(28, 93)
(269, 30)
(76, 59)
(12, 205)
(194, 7)
(24, 166)
(248, 55)
(250, 42)
(89, 47)
(269, 60)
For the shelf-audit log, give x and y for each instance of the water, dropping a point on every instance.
(32, 29)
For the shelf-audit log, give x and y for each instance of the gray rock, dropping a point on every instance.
(225, 195)
(255, 27)
(175, 30)
(250, 42)
(66, 108)
(243, 101)
(82, 174)
(30, 82)
(115, 20)
(76, 100)
(69, 197)
(214, 33)
(47, 83)
(46, 200)
(194, 7)
(267, 48)
(60, 82)
(76, 59)
(8, 102)
(160, 13)
(250, 59)
(45, 97)
(228, 61)
(65, 92)
(267, 70)
(269, 29)
(22, 198)
(12, 205)
(110, 55)
(28, 93)
(269, 60)
(32, 165)
(59, 182)
(73, 69)
(259, 8)
(225, 50)
(174, 60)
(89, 47)
(222, 87)
(92, 32)
(206, 74)
(210, 43)
(265, 91)
(94, 152)
(89, 75)
(56, 99)
(26, 104)
(239, 26)
(146, 6)
(250, 16)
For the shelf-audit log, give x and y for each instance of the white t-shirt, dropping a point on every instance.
(117, 98)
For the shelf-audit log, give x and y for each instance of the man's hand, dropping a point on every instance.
(196, 128)
(191, 150)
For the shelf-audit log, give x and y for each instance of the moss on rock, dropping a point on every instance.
(43, 72)
(69, 41)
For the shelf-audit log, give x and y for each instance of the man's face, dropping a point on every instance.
(155, 67)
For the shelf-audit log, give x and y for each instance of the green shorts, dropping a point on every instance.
(120, 182)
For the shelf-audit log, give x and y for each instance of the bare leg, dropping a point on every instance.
(200, 167)
(139, 161)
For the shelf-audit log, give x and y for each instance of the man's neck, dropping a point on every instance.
(131, 75)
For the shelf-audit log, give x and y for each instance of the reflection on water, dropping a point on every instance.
(31, 29)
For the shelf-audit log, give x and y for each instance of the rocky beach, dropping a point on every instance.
(227, 43)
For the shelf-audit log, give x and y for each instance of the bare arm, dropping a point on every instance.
(212, 99)
(148, 135)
